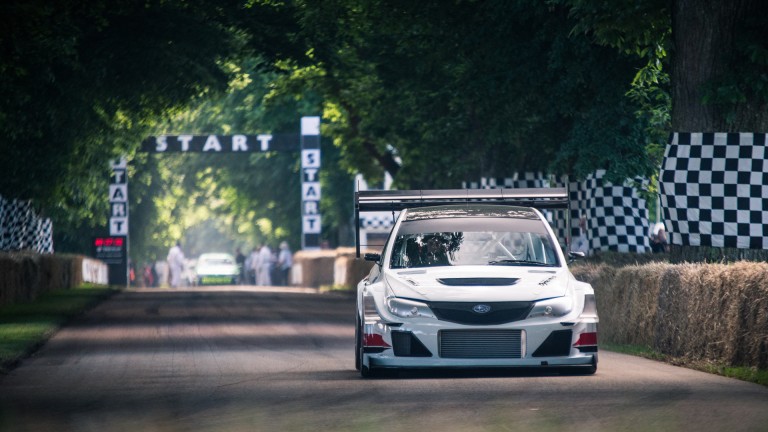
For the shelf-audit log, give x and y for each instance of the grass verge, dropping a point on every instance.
(25, 327)
(750, 374)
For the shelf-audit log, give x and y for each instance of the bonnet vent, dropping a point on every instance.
(478, 281)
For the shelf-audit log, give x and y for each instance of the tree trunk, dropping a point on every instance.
(705, 35)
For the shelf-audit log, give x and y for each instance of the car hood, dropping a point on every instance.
(479, 283)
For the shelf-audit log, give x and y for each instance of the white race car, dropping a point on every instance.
(471, 279)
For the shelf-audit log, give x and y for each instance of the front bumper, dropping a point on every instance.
(532, 343)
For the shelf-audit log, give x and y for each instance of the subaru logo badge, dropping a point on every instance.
(481, 308)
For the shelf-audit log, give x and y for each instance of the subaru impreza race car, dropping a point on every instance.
(471, 279)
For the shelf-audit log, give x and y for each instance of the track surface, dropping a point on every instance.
(219, 359)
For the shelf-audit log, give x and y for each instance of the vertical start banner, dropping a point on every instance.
(310, 183)
(114, 251)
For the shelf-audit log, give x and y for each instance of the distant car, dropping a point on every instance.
(216, 269)
(470, 282)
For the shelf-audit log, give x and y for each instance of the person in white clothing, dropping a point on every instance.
(252, 265)
(581, 244)
(264, 262)
(175, 265)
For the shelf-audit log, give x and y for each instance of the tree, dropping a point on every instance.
(85, 81)
(717, 71)
(719, 66)
(474, 88)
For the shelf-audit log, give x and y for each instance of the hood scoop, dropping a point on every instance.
(486, 281)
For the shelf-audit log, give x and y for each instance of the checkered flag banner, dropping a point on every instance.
(22, 229)
(616, 215)
(714, 190)
(378, 220)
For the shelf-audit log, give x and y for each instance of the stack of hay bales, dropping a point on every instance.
(338, 267)
(710, 312)
(24, 276)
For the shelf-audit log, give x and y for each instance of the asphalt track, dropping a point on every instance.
(256, 359)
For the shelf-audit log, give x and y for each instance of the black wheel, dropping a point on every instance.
(358, 343)
(365, 371)
(587, 370)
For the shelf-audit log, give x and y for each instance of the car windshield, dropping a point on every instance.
(217, 261)
(473, 241)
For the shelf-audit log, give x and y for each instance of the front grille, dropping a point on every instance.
(463, 313)
(479, 344)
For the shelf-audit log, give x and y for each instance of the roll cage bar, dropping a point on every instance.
(397, 200)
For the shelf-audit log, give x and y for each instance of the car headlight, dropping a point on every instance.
(408, 308)
(554, 307)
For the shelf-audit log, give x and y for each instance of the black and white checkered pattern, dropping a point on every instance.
(517, 181)
(374, 220)
(22, 229)
(714, 190)
(617, 217)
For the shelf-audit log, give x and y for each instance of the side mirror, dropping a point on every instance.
(372, 257)
(576, 255)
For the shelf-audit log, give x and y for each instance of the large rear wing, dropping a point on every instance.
(396, 200)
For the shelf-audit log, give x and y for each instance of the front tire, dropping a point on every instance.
(358, 343)
(365, 371)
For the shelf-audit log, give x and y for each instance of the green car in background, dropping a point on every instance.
(217, 269)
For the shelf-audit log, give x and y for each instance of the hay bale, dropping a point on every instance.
(748, 318)
(699, 312)
(314, 268)
(639, 286)
(715, 312)
(348, 269)
(24, 276)
(672, 314)
(626, 300)
(357, 269)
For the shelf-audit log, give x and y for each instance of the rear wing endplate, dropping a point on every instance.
(397, 200)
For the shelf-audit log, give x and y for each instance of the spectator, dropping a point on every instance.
(148, 275)
(284, 264)
(240, 260)
(264, 266)
(252, 265)
(175, 264)
(659, 239)
(582, 242)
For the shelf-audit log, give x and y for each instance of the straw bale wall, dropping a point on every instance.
(25, 275)
(313, 268)
(338, 267)
(711, 312)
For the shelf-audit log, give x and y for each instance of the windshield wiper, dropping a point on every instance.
(519, 262)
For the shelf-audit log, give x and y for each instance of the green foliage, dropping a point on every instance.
(459, 90)
(84, 82)
(434, 92)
